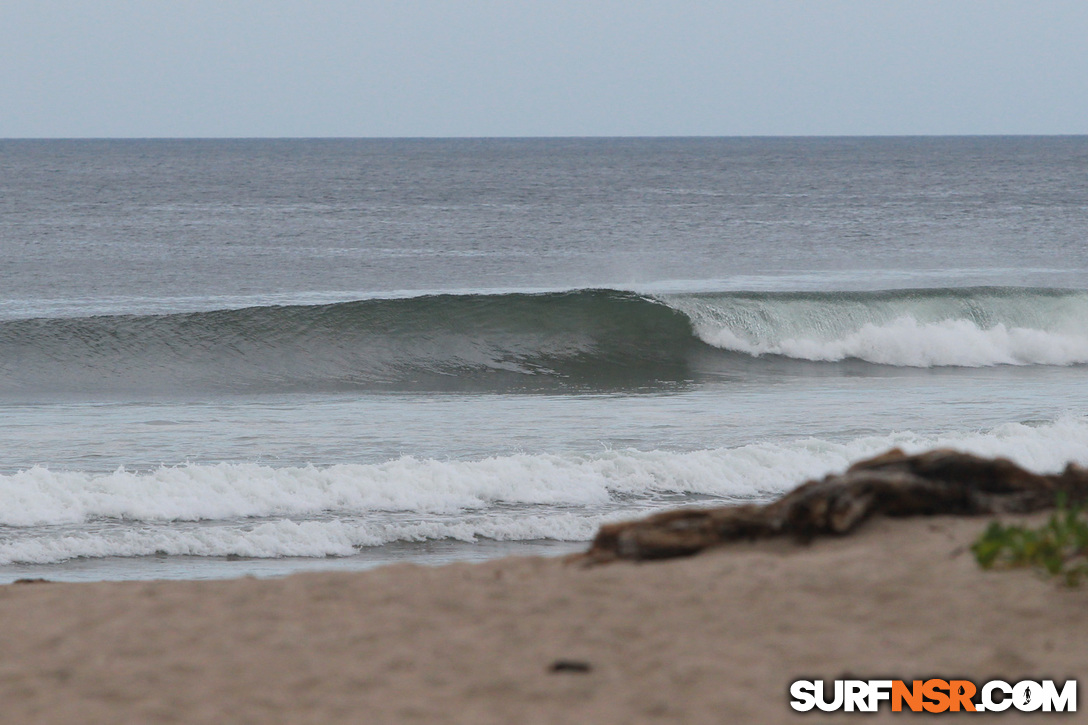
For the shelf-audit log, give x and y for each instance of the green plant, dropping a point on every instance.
(1058, 547)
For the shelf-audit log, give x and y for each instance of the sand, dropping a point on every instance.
(711, 639)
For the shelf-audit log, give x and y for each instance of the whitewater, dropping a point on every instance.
(262, 511)
(916, 328)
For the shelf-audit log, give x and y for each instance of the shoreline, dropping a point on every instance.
(711, 638)
(205, 568)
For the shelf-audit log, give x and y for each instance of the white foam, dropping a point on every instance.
(287, 538)
(909, 343)
(40, 496)
(225, 509)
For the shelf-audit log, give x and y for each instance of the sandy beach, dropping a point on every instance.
(713, 638)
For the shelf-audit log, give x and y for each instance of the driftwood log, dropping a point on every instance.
(892, 484)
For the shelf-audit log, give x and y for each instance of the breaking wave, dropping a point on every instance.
(973, 327)
(586, 339)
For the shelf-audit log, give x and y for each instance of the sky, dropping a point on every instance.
(483, 68)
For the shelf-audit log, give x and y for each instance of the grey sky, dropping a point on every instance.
(120, 68)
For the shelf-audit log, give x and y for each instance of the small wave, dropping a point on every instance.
(261, 511)
(39, 496)
(286, 538)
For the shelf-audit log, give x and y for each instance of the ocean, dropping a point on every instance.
(222, 358)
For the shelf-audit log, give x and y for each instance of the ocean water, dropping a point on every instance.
(221, 358)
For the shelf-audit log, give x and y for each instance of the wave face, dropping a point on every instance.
(589, 339)
(593, 338)
(262, 511)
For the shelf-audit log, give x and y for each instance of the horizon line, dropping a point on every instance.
(570, 137)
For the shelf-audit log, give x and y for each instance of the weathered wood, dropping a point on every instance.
(893, 484)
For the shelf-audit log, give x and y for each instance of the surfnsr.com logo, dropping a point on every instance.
(934, 695)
